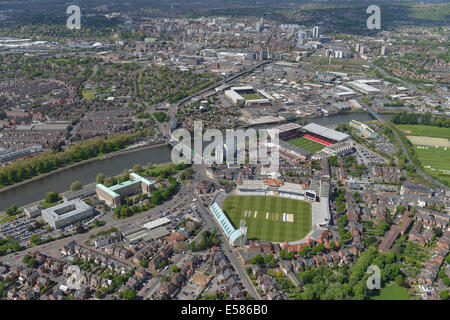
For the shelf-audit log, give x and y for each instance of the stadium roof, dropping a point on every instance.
(326, 132)
(287, 127)
(292, 187)
(242, 88)
(297, 150)
(232, 233)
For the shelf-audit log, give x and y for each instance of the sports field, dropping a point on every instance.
(435, 161)
(268, 223)
(429, 141)
(427, 131)
(393, 292)
(250, 96)
(307, 144)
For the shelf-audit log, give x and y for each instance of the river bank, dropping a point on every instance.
(59, 180)
(73, 165)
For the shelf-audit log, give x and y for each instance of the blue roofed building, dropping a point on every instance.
(114, 194)
(235, 236)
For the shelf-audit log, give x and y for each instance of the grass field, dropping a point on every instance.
(435, 161)
(88, 94)
(250, 96)
(307, 144)
(428, 131)
(393, 292)
(273, 228)
(429, 141)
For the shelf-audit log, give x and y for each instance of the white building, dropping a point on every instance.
(67, 213)
(317, 31)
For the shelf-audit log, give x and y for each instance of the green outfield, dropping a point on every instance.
(306, 144)
(250, 96)
(268, 223)
(428, 131)
(435, 161)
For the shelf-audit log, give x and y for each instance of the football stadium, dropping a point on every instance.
(300, 143)
(248, 96)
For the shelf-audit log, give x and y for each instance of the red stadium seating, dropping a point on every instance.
(315, 138)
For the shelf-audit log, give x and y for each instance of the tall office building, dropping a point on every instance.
(260, 25)
(357, 47)
(383, 50)
(362, 50)
(302, 37)
(317, 31)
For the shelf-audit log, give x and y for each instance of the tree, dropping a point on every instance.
(444, 295)
(125, 176)
(174, 269)
(290, 255)
(332, 245)
(305, 277)
(437, 232)
(399, 280)
(76, 185)
(109, 182)
(29, 260)
(192, 246)
(317, 248)
(303, 252)
(137, 168)
(400, 209)
(35, 239)
(128, 294)
(51, 197)
(270, 261)
(282, 254)
(124, 212)
(11, 210)
(143, 263)
(100, 178)
(258, 259)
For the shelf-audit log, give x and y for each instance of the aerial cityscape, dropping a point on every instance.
(224, 150)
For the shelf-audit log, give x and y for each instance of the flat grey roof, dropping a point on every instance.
(326, 132)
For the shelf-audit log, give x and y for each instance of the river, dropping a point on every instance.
(86, 173)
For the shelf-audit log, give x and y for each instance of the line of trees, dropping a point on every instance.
(49, 161)
(415, 118)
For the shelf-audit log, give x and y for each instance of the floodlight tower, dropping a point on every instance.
(243, 229)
